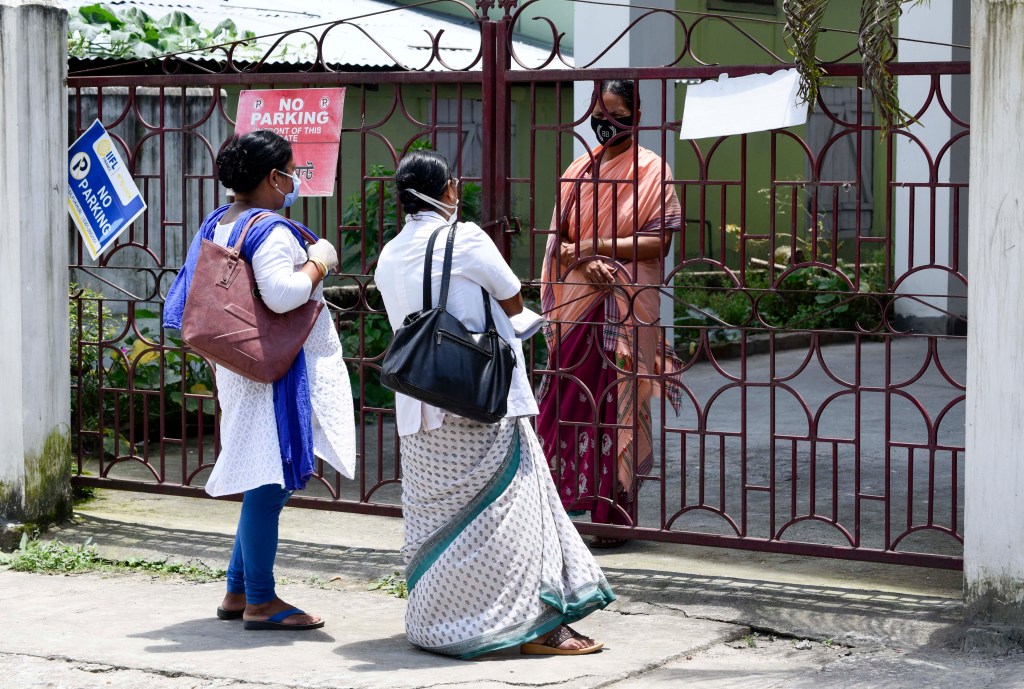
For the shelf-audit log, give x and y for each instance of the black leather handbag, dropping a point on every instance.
(435, 359)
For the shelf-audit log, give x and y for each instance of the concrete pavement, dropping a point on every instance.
(686, 616)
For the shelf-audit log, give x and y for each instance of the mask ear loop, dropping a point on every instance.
(440, 205)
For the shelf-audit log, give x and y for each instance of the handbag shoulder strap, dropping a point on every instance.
(449, 250)
(306, 234)
(253, 219)
(488, 320)
(428, 267)
(446, 272)
(259, 217)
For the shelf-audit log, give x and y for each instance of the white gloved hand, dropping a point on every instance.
(324, 252)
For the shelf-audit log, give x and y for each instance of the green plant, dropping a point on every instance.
(810, 298)
(151, 365)
(535, 349)
(193, 570)
(54, 557)
(393, 584)
(110, 370)
(100, 31)
(709, 302)
(788, 247)
(316, 582)
(92, 324)
(822, 299)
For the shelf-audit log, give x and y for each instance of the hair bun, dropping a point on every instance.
(243, 161)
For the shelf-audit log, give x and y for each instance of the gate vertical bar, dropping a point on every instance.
(502, 139)
(488, 178)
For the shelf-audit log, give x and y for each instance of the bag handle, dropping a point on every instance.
(446, 272)
(236, 249)
(259, 217)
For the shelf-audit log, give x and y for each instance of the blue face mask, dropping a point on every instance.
(293, 195)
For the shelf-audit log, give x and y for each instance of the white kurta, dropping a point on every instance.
(476, 263)
(250, 454)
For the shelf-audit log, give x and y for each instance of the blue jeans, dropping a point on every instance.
(251, 570)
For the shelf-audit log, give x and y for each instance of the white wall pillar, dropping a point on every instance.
(939, 22)
(35, 451)
(994, 497)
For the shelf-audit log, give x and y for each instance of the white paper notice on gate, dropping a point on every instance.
(754, 103)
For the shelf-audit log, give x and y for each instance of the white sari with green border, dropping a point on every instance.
(492, 558)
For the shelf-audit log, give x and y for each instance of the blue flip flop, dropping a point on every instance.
(277, 622)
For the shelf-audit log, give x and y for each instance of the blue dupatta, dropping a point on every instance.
(292, 403)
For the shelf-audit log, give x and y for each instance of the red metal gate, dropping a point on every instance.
(815, 294)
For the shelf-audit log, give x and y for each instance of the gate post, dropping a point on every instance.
(994, 497)
(494, 186)
(35, 451)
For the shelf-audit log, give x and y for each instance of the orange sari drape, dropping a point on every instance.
(631, 194)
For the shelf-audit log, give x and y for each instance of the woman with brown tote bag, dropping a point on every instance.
(268, 431)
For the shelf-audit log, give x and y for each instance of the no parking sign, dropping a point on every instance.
(310, 119)
(102, 197)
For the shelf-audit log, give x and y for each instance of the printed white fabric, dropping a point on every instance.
(492, 558)
(250, 454)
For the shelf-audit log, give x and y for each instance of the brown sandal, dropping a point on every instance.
(561, 634)
(607, 542)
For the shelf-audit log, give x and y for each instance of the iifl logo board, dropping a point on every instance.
(310, 119)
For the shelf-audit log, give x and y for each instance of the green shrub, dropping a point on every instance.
(107, 368)
(810, 298)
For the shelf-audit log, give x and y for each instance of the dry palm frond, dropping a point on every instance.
(803, 23)
(877, 44)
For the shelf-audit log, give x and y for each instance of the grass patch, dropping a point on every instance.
(393, 584)
(54, 557)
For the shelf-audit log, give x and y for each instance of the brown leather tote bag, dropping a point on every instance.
(226, 322)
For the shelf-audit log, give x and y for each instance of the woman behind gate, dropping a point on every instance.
(612, 227)
(492, 559)
(270, 431)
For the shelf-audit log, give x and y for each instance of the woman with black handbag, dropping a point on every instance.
(492, 560)
(269, 430)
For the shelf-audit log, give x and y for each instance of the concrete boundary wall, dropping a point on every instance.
(993, 556)
(35, 452)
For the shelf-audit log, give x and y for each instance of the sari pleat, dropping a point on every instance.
(492, 560)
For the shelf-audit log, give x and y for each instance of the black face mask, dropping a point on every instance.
(604, 130)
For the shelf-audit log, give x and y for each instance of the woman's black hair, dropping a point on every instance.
(244, 160)
(626, 89)
(428, 172)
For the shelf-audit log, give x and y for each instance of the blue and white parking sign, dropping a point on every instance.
(102, 197)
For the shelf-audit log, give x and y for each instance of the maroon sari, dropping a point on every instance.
(578, 419)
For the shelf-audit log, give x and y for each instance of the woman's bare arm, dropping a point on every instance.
(513, 305)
